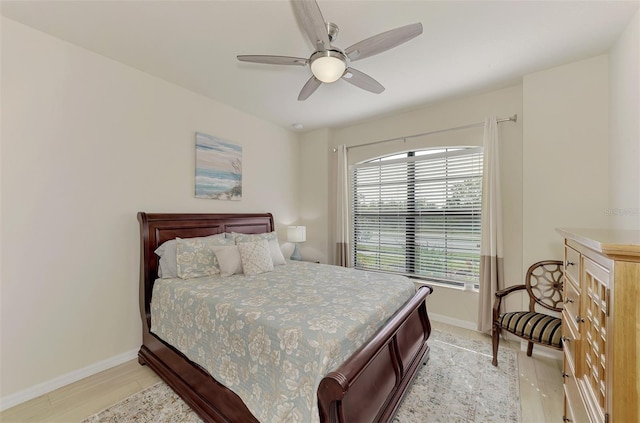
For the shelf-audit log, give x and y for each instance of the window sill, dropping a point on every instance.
(419, 282)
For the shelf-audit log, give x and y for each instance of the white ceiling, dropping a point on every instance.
(466, 47)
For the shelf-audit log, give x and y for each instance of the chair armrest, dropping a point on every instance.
(501, 294)
(509, 290)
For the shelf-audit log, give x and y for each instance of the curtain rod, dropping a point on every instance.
(513, 118)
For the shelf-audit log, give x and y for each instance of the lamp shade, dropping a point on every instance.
(297, 233)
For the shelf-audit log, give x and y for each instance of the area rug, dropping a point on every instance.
(458, 384)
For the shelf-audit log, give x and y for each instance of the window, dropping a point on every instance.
(418, 214)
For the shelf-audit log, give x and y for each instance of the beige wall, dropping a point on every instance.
(624, 129)
(87, 143)
(314, 162)
(455, 306)
(565, 167)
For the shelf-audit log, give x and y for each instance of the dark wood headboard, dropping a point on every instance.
(156, 228)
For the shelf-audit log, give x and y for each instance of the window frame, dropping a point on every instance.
(413, 213)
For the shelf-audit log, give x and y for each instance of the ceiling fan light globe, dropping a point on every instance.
(328, 68)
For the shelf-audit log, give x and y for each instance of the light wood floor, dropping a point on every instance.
(540, 389)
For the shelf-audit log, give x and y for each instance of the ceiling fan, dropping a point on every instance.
(329, 63)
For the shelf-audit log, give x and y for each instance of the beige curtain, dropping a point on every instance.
(491, 255)
(342, 210)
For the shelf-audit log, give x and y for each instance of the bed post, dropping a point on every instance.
(145, 282)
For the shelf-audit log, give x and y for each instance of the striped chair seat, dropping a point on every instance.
(537, 327)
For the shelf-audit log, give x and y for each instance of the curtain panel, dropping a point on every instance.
(491, 244)
(343, 254)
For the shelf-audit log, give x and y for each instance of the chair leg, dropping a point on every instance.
(529, 349)
(495, 337)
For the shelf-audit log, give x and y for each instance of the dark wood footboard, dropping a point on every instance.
(369, 386)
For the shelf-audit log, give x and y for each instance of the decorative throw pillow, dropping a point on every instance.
(255, 257)
(228, 259)
(274, 245)
(167, 253)
(195, 257)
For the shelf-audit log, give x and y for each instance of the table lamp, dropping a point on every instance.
(296, 234)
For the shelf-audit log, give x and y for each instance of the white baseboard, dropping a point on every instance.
(66, 379)
(453, 322)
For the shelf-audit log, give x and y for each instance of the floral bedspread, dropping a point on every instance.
(272, 337)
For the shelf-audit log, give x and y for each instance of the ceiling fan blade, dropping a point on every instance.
(309, 88)
(362, 80)
(383, 42)
(274, 60)
(313, 23)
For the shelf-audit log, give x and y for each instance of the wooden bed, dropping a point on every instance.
(367, 387)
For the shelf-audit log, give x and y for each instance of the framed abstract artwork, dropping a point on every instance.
(218, 168)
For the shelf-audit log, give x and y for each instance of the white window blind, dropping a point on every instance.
(418, 214)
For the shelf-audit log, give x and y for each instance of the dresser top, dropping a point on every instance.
(615, 243)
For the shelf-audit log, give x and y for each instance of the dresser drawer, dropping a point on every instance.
(574, 409)
(571, 300)
(572, 264)
(570, 339)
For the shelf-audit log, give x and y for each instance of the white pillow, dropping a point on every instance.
(167, 254)
(274, 245)
(276, 252)
(228, 259)
(255, 257)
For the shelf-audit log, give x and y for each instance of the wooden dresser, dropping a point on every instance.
(601, 326)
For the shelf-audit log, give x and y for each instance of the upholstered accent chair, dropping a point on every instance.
(543, 284)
